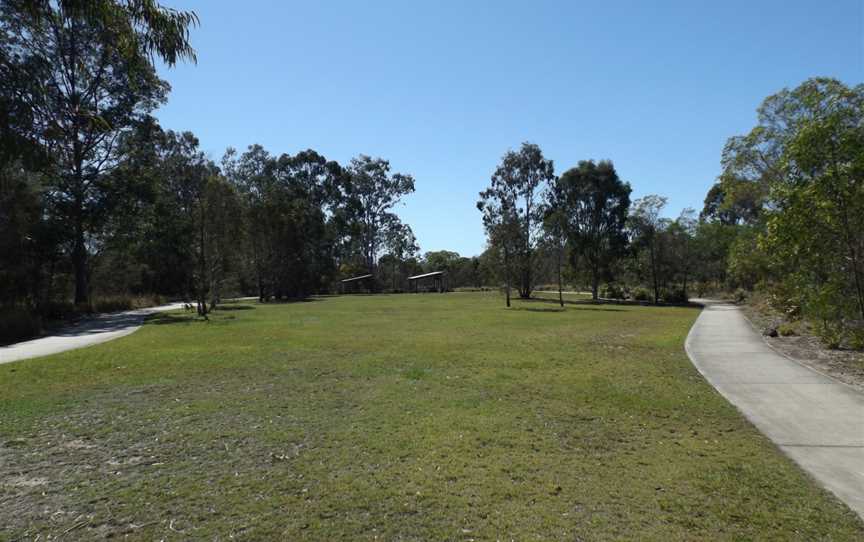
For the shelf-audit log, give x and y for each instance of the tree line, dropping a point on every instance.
(789, 208)
(99, 202)
(584, 227)
(785, 219)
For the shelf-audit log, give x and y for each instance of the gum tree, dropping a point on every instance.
(93, 62)
(514, 203)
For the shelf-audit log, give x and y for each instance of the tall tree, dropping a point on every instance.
(375, 191)
(400, 244)
(515, 195)
(682, 233)
(593, 204)
(815, 227)
(93, 61)
(503, 231)
(646, 224)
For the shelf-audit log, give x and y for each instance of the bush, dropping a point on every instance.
(111, 304)
(856, 338)
(787, 329)
(57, 310)
(674, 295)
(830, 334)
(740, 295)
(116, 303)
(641, 294)
(613, 291)
(18, 324)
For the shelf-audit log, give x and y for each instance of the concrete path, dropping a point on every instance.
(95, 330)
(814, 419)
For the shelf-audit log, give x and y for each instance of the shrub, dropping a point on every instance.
(856, 338)
(830, 332)
(740, 295)
(613, 291)
(674, 295)
(18, 324)
(641, 294)
(787, 329)
(111, 304)
(116, 303)
(57, 310)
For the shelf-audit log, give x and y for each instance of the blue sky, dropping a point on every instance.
(443, 89)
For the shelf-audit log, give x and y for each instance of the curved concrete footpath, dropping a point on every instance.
(95, 330)
(814, 419)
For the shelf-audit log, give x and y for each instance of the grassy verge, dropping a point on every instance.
(410, 417)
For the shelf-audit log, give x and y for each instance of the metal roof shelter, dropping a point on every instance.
(438, 278)
(354, 283)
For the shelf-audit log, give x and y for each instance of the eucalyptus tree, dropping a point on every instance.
(373, 192)
(187, 186)
(515, 196)
(815, 227)
(554, 224)
(400, 244)
(592, 203)
(503, 231)
(92, 63)
(646, 225)
(251, 173)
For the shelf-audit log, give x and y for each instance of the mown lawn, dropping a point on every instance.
(412, 417)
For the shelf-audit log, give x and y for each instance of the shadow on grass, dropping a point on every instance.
(581, 304)
(539, 309)
(604, 304)
(161, 319)
(290, 300)
(230, 307)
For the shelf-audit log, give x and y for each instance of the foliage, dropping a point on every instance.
(374, 191)
(85, 73)
(641, 294)
(646, 224)
(788, 329)
(402, 249)
(673, 295)
(613, 291)
(513, 212)
(18, 324)
(748, 263)
(589, 203)
(805, 159)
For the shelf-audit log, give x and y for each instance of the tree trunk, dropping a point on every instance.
(507, 276)
(685, 287)
(654, 274)
(79, 249)
(202, 267)
(560, 284)
(79, 262)
(851, 243)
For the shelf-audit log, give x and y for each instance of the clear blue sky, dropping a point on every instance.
(443, 89)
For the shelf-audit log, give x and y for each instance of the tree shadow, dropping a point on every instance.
(540, 309)
(578, 304)
(230, 307)
(605, 303)
(162, 318)
(289, 300)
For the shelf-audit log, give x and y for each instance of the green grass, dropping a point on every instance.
(404, 417)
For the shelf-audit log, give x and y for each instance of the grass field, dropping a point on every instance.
(412, 417)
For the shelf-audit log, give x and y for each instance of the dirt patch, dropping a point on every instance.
(804, 347)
